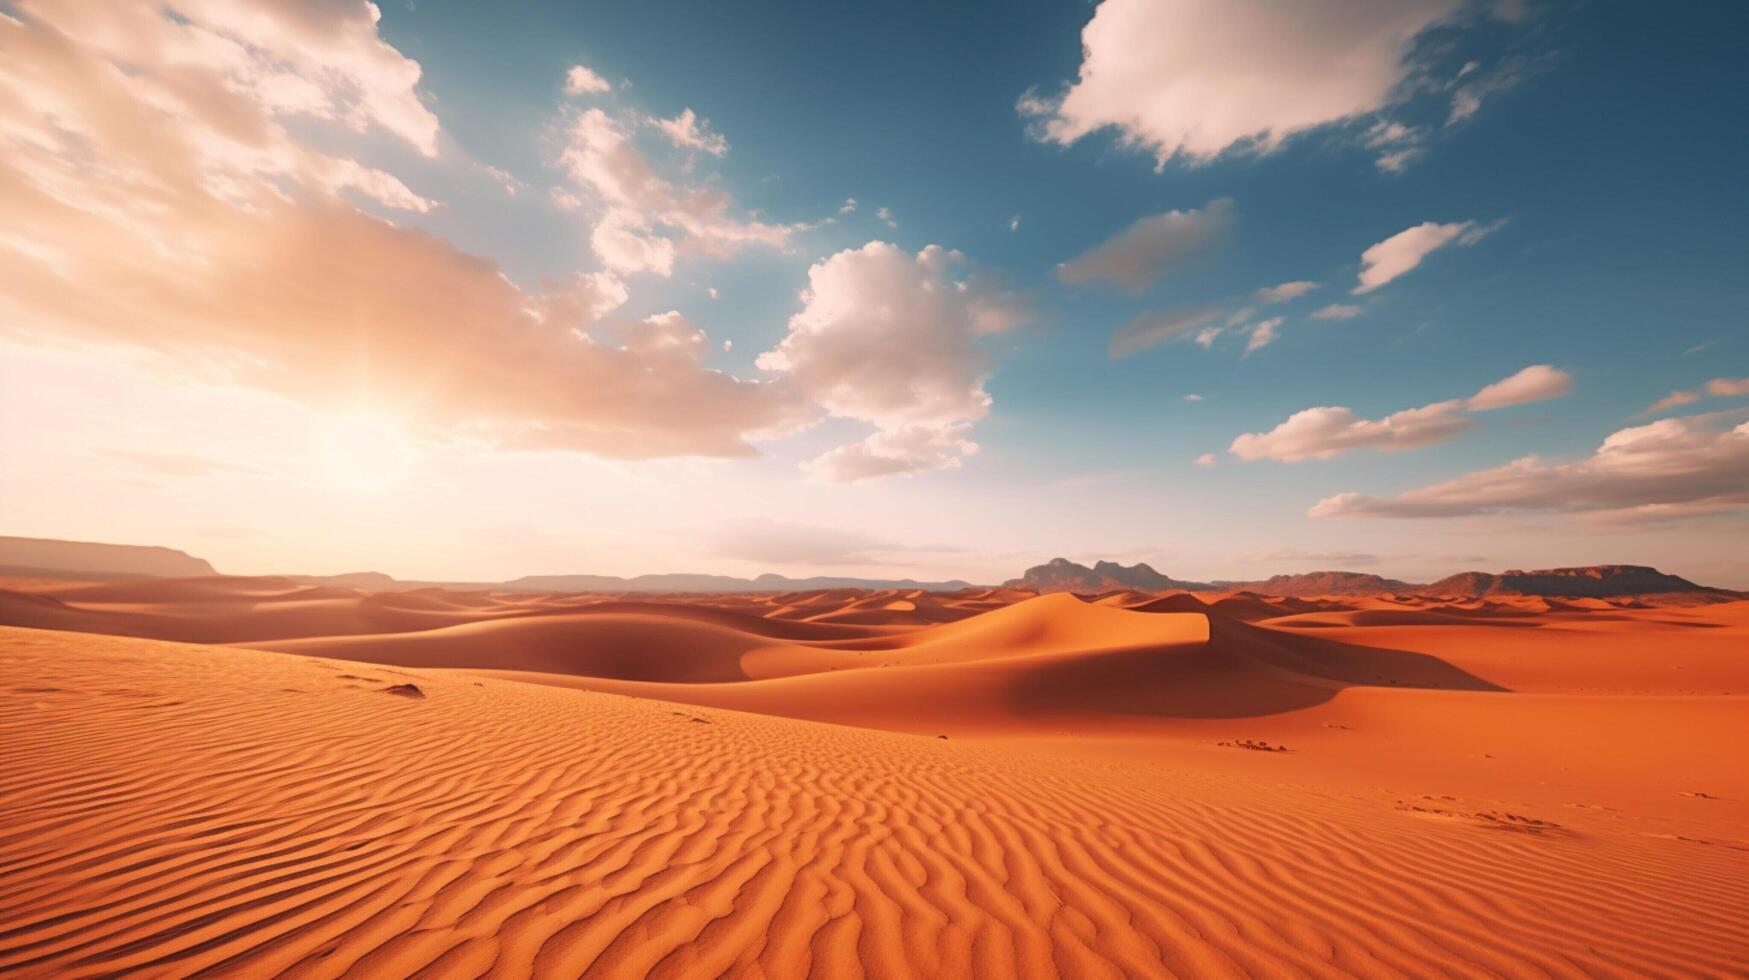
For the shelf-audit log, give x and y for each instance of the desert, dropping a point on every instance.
(772, 489)
(257, 776)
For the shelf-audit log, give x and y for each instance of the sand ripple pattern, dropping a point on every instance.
(169, 810)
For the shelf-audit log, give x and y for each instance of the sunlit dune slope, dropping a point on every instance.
(171, 809)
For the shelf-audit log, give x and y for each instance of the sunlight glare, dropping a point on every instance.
(362, 453)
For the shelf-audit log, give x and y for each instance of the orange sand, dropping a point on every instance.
(756, 785)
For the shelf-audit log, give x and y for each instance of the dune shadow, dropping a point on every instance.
(1242, 671)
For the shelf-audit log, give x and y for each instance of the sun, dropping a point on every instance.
(362, 453)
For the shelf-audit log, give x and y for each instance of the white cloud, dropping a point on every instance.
(1272, 295)
(1262, 335)
(689, 132)
(1154, 329)
(648, 221)
(1140, 254)
(848, 206)
(1670, 469)
(1717, 388)
(1195, 78)
(1402, 252)
(581, 81)
(1325, 431)
(1207, 460)
(1538, 382)
(1338, 311)
(1014, 223)
(151, 152)
(890, 338)
(1193, 397)
(886, 216)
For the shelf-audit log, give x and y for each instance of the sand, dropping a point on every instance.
(461, 784)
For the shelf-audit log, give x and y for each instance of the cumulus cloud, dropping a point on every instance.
(580, 80)
(689, 132)
(891, 339)
(1196, 78)
(1538, 382)
(1207, 460)
(1717, 388)
(1667, 470)
(150, 151)
(647, 220)
(1326, 431)
(1402, 252)
(1139, 255)
(1338, 311)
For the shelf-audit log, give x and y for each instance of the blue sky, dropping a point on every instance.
(1575, 171)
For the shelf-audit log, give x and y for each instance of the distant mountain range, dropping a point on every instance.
(32, 556)
(117, 560)
(1591, 581)
(1063, 575)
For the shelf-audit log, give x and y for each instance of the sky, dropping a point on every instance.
(465, 292)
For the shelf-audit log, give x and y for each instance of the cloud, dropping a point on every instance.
(579, 80)
(1272, 295)
(1717, 388)
(1193, 397)
(152, 153)
(1538, 382)
(848, 206)
(1675, 399)
(1154, 329)
(891, 339)
(1140, 254)
(886, 217)
(689, 132)
(1671, 469)
(1262, 335)
(1295, 556)
(1014, 223)
(1326, 431)
(1207, 460)
(1196, 78)
(1397, 144)
(648, 221)
(1338, 311)
(1205, 324)
(1402, 252)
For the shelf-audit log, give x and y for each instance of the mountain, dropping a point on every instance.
(688, 582)
(50, 555)
(1324, 583)
(1587, 582)
(1063, 575)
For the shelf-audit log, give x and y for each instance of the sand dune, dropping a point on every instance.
(898, 783)
(175, 809)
